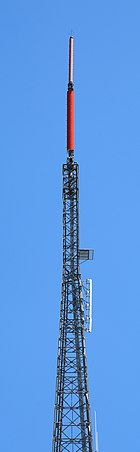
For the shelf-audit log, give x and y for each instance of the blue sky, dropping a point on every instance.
(33, 82)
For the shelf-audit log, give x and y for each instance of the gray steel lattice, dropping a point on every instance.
(72, 424)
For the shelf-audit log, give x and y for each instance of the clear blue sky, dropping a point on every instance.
(33, 81)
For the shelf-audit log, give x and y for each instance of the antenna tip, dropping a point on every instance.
(71, 59)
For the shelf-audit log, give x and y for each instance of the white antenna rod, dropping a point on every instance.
(96, 433)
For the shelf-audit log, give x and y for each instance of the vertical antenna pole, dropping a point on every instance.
(96, 433)
(70, 103)
(71, 59)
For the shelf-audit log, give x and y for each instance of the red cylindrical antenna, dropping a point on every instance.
(70, 101)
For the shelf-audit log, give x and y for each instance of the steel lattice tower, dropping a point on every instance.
(72, 424)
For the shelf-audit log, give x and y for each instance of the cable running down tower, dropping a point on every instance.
(72, 424)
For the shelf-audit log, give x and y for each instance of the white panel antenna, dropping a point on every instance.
(87, 304)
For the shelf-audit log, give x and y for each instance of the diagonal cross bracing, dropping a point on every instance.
(72, 424)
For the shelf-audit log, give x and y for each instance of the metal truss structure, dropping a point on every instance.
(72, 425)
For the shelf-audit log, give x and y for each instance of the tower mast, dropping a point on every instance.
(72, 424)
